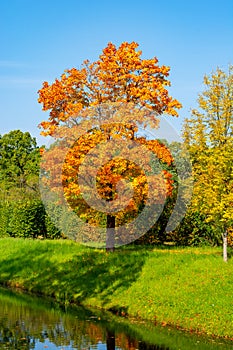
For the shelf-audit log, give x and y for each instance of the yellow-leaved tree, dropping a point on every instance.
(208, 134)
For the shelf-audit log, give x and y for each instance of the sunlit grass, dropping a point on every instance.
(187, 287)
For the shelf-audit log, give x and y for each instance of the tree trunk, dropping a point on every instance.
(225, 246)
(111, 223)
(110, 234)
(110, 340)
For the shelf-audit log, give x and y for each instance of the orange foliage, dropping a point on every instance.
(120, 76)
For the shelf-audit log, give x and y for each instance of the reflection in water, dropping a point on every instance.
(110, 340)
(33, 323)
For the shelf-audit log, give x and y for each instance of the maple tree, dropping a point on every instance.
(208, 134)
(106, 101)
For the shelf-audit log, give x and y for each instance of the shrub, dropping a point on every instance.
(4, 220)
(195, 231)
(27, 219)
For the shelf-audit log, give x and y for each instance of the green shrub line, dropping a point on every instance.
(189, 288)
(29, 218)
(26, 219)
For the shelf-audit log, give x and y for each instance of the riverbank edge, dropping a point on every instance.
(19, 289)
(17, 280)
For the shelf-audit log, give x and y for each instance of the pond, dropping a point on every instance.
(28, 322)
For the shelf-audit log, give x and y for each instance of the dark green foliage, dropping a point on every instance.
(4, 220)
(194, 231)
(27, 219)
(157, 234)
(22, 213)
(52, 230)
(19, 161)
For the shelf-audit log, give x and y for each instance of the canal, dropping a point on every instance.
(28, 322)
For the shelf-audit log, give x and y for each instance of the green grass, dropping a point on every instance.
(190, 288)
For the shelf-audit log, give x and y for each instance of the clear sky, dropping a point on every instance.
(40, 39)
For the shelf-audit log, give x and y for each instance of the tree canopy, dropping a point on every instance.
(103, 104)
(208, 133)
(19, 162)
(119, 75)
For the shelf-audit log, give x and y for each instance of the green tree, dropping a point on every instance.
(22, 213)
(19, 165)
(208, 134)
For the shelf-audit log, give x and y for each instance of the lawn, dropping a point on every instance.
(189, 288)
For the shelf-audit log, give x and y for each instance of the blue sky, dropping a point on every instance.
(40, 39)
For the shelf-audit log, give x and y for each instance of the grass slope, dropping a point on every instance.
(190, 288)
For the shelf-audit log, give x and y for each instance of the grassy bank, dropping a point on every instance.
(189, 288)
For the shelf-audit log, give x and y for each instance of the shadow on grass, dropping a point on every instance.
(71, 277)
(229, 253)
